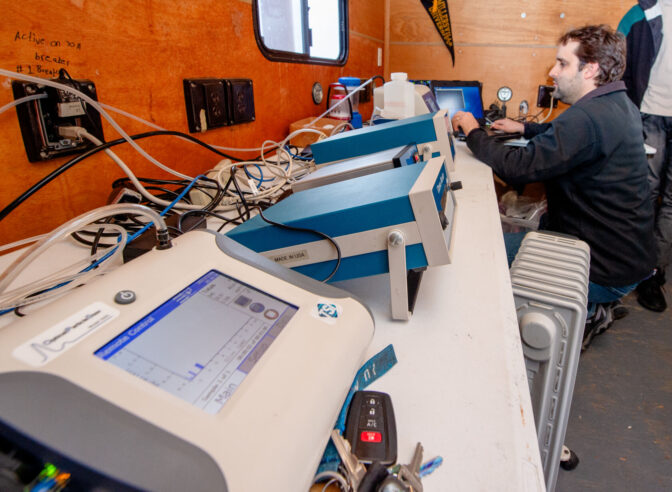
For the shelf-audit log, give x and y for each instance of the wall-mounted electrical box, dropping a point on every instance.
(212, 103)
(40, 119)
(544, 97)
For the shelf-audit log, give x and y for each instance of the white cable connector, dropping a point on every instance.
(71, 132)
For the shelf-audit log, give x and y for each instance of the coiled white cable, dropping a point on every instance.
(68, 277)
(18, 297)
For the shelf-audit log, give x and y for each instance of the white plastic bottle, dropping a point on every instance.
(398, 97)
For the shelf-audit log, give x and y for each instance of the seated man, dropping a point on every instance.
(591, 159)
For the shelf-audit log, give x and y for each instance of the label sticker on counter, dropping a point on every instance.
(64, 335)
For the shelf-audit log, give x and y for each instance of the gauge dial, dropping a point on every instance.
(317, 93)
(504, 94)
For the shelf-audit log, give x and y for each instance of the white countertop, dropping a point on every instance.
(460, 385)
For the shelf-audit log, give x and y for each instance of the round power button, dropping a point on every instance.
(124, 297)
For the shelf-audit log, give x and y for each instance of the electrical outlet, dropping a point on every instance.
(39, 119)
(241, 100)
(213, 103)
(206, 104)
(544, 97)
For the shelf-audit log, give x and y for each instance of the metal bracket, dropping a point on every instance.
(396, 257)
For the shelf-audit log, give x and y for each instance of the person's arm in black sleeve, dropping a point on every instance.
(534, 129)
(566, 143)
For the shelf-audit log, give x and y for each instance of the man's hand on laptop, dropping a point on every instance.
(465, 121)
(508, 126)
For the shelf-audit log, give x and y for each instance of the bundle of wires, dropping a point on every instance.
(106, 230)
(77, 273)
(262, 186)
(264, 180)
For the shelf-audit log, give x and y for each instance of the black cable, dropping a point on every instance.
(238, 190)
(207, 211)
(175, 230)
(219, 196)
(125, 180)
(204, 212)
(81, 240)
(206, 190)
(312, 231)
(167, 194)
(63, 74)
(373, 79)
(54, 174)
(99, 235)
(134, 219)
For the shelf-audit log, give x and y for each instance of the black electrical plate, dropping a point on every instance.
(241, 100)
(544, 97)
(213, 103)
(194, 97)
(39, 119)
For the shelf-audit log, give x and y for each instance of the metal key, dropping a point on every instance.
(354, 468)
(410, 473)
(393, 484)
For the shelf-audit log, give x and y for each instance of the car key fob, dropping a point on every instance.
(370, 428)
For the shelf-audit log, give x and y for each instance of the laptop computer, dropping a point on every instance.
(465, 95)
(460, 95)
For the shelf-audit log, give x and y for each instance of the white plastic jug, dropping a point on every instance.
(398, 97)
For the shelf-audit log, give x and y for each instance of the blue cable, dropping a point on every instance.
(260, 178)
(148, 225)
(128, 240)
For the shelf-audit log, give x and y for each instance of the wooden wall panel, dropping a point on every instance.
(137, 53)
(366, 17)
(500, 43)
(518, 22)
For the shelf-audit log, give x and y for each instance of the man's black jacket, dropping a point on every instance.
(591, 159)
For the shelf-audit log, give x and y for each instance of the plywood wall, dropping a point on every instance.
(510, 43)
(137, 53)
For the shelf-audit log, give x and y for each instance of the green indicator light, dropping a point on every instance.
(49, 470)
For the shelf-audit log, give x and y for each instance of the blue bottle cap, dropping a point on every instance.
(349, 81)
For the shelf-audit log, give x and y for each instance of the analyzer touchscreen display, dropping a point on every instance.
(202, 343)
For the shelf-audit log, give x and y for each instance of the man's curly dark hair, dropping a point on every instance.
(601, 45)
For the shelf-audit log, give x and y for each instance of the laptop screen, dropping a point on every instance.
(459, 96)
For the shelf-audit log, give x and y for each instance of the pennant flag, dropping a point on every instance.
(438, 11)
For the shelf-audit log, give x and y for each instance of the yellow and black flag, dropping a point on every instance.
(438, 11)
